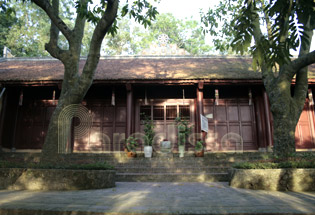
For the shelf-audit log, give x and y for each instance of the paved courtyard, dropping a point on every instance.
(157, 198)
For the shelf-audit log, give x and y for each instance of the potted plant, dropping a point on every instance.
(183, 131)
(149, 135)
(131, 146)
(199, 149)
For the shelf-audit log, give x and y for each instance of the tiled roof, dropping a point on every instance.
(136, 68)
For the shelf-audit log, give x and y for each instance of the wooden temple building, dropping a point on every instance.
(224, 89)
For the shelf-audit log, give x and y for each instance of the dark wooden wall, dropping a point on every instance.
(25, 126)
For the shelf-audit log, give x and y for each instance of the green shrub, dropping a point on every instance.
(90, 166)
(276, 165)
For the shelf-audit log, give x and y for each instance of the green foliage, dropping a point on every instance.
(148, 131)
(235, 23)
(135, 10)
(186, 34)
(7, 20)
(183, 130)
(284, 164)
(300, 160)
(29, 32)
(131, 144)
(218, 23)
(199, 146)
(88, 166)
(26, 31)
(132, 38)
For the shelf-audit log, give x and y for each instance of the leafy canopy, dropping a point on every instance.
(283, 23)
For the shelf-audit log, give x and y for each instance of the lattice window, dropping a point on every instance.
(184, 111)
(158, 112)
(171, 112)
(145, 111)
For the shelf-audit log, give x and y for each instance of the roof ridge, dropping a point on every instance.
(119, 57)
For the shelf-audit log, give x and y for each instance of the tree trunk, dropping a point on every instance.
(75, 85)
(286, 112)
(70, 94)
(284, 135)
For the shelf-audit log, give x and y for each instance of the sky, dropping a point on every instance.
(184, 8)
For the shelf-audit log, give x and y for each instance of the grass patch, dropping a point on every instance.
(89, 166)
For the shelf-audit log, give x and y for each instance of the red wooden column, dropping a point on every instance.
(2, 114)
(267, 118)
(200, 107)
(129, 114)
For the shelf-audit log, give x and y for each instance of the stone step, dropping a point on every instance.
(172, 170)
(171, 164)
(172, 177)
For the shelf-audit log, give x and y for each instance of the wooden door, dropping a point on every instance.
(33, 123)
(163, 112)
(304, 133)
(231, 125)
(107, 133)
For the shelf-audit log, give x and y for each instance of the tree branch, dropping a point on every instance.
(300, 65)
(268, 23)
(52, 46)
(303, 61)
(285, 27)
(48, 8)
(267, 73)
(99, 33)
(78, 30)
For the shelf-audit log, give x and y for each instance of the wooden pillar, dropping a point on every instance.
(200, 108)
(129, 114)
(261, 137)
(267, 119)
(4, 100)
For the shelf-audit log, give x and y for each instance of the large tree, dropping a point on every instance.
(269, 30)
(7, 20)
(76, 83)
(133, 39)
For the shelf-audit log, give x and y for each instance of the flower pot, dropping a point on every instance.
(130, 154)
(147, 151)
(166, 146)
(199, 153)
(181, 150)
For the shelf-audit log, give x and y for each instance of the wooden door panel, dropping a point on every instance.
(246, 114)
(231, 116)
(220, 113)
(304, 133)
(96, 113)
(108, 114)
(247, 133)
(235, 129)
(233, 113)
(121, 114)
(221, 131)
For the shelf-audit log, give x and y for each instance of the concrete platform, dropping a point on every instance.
(157, 198)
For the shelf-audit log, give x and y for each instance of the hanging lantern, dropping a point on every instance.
(21, 98)
(183, 96)
(310, 97)
(54, 97)
(113, 97)
(145, 97)
(250, 96)
(216, 93)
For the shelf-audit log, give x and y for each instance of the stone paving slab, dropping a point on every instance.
(157, 198)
